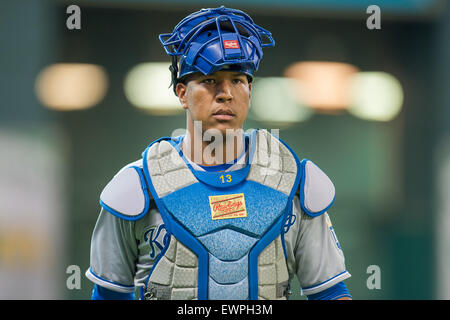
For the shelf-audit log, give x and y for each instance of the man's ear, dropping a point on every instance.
(181, 93)
(249, 93)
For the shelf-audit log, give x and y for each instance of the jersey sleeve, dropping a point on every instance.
(113, 253)
(316, 255)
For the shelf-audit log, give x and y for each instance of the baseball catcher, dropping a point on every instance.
(216, 213)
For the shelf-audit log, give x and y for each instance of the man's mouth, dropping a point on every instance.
(223, 114)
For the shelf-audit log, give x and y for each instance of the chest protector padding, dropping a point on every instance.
(233, 258)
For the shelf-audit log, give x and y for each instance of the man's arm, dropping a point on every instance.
(113, 254)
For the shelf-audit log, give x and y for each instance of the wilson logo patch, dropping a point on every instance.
(231, 44)
(228, 206)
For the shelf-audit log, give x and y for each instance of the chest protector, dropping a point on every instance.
(225, 229)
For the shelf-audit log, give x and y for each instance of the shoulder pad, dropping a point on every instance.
(316, 189)
(126, 195)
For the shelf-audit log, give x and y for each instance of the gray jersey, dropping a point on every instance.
(123, 252)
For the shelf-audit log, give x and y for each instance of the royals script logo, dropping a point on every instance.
(228, 206)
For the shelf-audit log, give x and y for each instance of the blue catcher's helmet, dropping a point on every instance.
(215, 39)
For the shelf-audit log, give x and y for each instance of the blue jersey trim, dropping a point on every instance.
(324, 282)
(110, 282)
(102, 293)
(146, 197)
(302, 194)
(339, 290)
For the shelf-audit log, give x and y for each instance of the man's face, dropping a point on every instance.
(220, 100)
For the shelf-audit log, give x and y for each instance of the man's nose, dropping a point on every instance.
(224, 91)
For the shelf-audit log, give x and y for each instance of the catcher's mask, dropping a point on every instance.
(215, 39)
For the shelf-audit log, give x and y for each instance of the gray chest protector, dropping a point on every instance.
(225, 230)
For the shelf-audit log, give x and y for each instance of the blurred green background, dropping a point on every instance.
(391, 177)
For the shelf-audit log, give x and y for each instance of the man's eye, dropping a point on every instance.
(238, 80)
(208, 80)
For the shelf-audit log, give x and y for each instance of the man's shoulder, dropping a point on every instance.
(126, 194)
(317, 191)
(135, 164)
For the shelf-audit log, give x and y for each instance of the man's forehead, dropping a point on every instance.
(221, 73)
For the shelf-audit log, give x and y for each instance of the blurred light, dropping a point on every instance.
(325, 85)
(147, 87)
(71, 86)
(376, 96)
(33, 231)
(273, 101)
(441, 165)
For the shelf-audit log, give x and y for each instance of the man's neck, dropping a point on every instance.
(207, 149)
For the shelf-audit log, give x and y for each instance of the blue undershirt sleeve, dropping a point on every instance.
(101, 293)
(339, 290)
